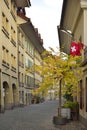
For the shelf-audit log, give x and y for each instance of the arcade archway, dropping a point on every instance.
(6, 94)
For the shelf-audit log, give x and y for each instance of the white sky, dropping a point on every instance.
(45, 15)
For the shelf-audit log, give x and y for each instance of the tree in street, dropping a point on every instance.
(62, 70)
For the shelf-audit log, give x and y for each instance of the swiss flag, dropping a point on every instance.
(76, 48)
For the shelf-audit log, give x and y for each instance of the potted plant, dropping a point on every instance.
(74, 106)
(59, 120)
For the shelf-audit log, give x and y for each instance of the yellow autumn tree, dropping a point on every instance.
(62, 69)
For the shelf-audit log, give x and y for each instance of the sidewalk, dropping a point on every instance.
(72, 125)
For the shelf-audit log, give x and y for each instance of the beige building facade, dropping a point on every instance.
(30, 47)
(17, 53)
(74, 22)
(8, 62)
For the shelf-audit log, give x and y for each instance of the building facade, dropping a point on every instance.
(9, 63)
(30, 47)
(74, 20)
(16, 54)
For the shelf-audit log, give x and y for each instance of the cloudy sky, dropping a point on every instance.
(45, 15)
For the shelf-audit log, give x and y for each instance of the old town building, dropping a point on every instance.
(17, 54)
(30, 49)
(73, 27)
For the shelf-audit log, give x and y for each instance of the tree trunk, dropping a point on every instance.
(59, 107)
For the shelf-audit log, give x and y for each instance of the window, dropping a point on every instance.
(27, 80)
(3, 19)
(5, 25)
(13, 36)
(31, 81)
(19, 56)
(22, 40)
(31, 50)
(3, 53)
(13, 61)
(22, 78)
(22, 59)
(5, 56)
(19, 33)
(28, 63)
(19, 76)
(25, 44)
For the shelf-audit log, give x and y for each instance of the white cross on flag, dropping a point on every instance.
(76, 48)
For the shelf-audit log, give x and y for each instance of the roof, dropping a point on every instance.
(30, 32)
(23, 3)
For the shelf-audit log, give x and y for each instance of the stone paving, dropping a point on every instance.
(34, 117)
(72, 125)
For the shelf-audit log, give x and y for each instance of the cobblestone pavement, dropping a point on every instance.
(34, 117)
(72, 125)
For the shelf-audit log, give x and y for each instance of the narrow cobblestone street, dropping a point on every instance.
(34, 117)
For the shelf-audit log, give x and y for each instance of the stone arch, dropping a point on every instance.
(14, 93)
(6, 94)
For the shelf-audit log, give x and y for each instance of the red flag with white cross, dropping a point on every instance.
(76, 48)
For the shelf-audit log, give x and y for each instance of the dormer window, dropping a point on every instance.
(21, 10)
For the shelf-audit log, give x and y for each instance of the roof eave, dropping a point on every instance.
(23, 3)
(26, 28)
